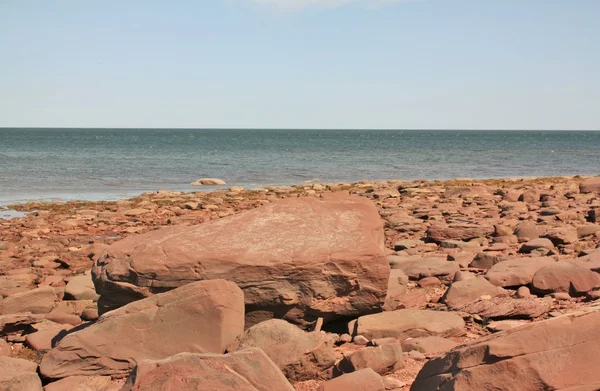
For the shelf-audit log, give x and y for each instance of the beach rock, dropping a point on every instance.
(554, 354)
(246, 370)
(438, 233)
(506, 307)
(299, 355)
(81, 383)
(530, 196)
(18, 375)
(466, 291)
(42, 339)
(517, 271)
(407, 323)
(382, 359)
(587, 230)
(16, 323)
(428, 267)
(527, 231)
(204, 316)
(590, 185)
(535, 244)
(35, 301)
(486, 260)
(5, 349)
(297, 259)
(363, 380)
(428, 345)
(209, 181)
(564, 276)
(81, 288)
(562, 236)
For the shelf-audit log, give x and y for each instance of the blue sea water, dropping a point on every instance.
(97, 164)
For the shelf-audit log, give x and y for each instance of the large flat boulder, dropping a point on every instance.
(201, 317)
(466, 291)
(363, 380)
(590, 185)
(300, 355)
(407, 323)
(556, 354)
(36, 301)
(441, 232)
(246, 370)
(297, 259)
(516, 271)
(565, 276)
(18, 375)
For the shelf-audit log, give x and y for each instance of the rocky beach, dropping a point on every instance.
(393, 285)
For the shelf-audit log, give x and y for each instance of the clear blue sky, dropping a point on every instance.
(461, 64)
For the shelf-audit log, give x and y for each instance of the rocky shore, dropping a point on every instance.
(421, 285)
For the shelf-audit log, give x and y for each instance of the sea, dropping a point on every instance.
(107, 164)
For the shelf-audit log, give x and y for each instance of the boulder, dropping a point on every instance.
(438, 233)
(35, 301)
(517, 271)
(535, 244)
(382, 359)
(428, 267)
(208, 181)
(466, 291)
(527, 231)
(17, 323)
(428, 345)
(246, 370)
(506, 307)
(81, 383)
(297, 259)
(18, 375)
(299, 355)
(204, 316)
(555, 354)
(407, 323)
(562, 236)
(564, 276)
(590, 185)
(5, 348)
(530, 196)
(363, 380)
(81, 288)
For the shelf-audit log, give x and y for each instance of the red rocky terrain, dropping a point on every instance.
(423, 285)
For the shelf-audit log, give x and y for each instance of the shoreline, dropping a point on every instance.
(30, 204)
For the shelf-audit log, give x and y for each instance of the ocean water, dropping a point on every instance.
(46, 164)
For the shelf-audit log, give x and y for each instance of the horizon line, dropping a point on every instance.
(282, 128)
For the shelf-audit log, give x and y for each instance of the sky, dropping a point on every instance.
(392, 64)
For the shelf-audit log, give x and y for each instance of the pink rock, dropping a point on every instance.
(247, 370)
(297, 259)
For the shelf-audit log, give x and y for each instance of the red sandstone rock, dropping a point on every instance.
(363, 380)
(247, 370)
(466, 291)
(297, 259)
(551, 355)
(299, 355)
(407, 323)
(205, 316)
(565, 276)
(590, 185)
(517, 271)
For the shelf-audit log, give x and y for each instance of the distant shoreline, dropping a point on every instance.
(33, 204)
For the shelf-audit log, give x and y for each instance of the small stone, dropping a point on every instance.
(346, 338)
(360, 340)
(416, 355)
(523, 292)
